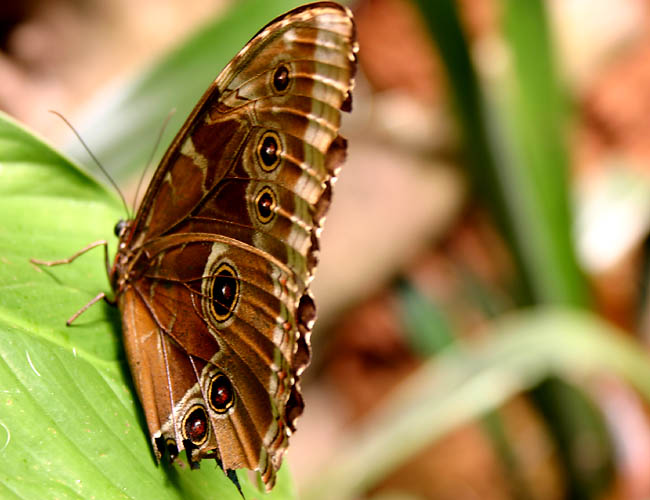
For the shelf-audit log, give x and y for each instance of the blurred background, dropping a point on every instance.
(483, 309)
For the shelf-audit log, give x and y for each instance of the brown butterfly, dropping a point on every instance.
(212, 275)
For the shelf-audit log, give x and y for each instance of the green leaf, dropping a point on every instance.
(517, 353)
(70, 424)
(122, 126)
(425, 325)
(513, 126)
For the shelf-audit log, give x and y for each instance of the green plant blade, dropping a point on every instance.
(512, 129)
(512, 123)
(535, 120)
(70, 425)
(519, 352)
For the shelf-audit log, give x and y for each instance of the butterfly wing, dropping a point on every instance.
(214, 271)
(316, 45)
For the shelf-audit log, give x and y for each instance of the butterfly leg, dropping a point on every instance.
(50, 263)
(232, 475)
(93, 301)
(99, 296)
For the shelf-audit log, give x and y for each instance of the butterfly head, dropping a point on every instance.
(118, 275)
(121, 227)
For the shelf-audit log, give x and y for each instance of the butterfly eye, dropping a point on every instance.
(281, 78)
(120, 227)
(220, 394)
(269, 151)
(265, 201)
(195, 425)
(225, 290)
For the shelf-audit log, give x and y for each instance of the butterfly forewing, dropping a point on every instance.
(212, 275)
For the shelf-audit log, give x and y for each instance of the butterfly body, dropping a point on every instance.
(212, 275)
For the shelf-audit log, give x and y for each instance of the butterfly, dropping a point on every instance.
(211, 276)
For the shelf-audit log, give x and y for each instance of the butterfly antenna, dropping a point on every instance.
(110, 179)
(153, 153)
